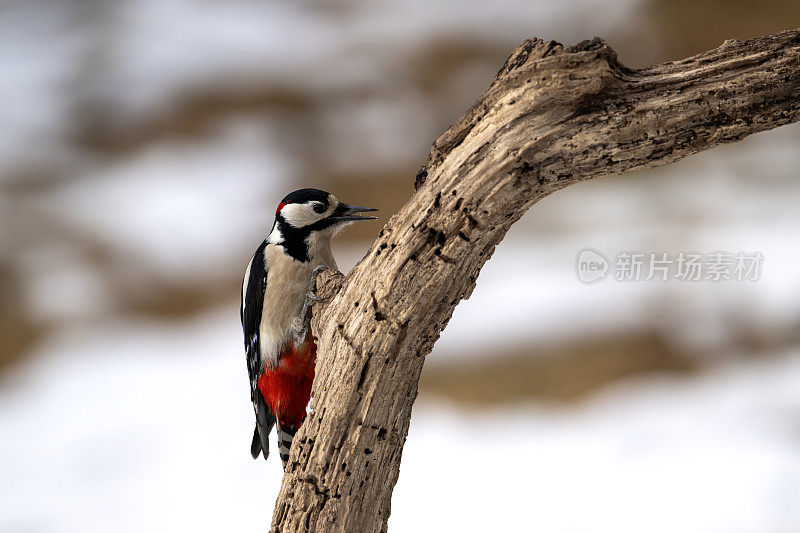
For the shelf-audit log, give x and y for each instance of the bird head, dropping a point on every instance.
(307, 215)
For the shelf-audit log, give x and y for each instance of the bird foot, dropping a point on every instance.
(303, 321)
(311, 293)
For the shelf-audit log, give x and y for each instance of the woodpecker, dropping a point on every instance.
(277, 294)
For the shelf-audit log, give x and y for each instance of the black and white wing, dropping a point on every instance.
(253, 287)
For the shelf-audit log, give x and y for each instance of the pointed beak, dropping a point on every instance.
(346, 212)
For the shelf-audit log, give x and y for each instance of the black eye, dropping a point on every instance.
(319, 208)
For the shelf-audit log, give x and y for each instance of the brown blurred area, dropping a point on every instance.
(685, 27)
(559, 373)
(362, 138)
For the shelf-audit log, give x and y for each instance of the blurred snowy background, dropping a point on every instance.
(143, 147)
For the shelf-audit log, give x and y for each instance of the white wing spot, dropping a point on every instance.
(246, 281)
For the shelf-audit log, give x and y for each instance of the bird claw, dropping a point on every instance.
(311, 294)
(311, 298)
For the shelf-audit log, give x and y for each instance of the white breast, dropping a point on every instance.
(287, 283)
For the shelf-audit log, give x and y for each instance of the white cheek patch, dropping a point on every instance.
(299, 215)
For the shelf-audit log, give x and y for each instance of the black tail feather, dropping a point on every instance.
(265, 421)
(255, 447)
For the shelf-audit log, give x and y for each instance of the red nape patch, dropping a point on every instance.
(287, 387)
(280, 206)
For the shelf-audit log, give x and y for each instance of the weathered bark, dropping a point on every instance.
(553, 116)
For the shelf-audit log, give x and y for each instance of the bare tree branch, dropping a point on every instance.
(553, 116)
